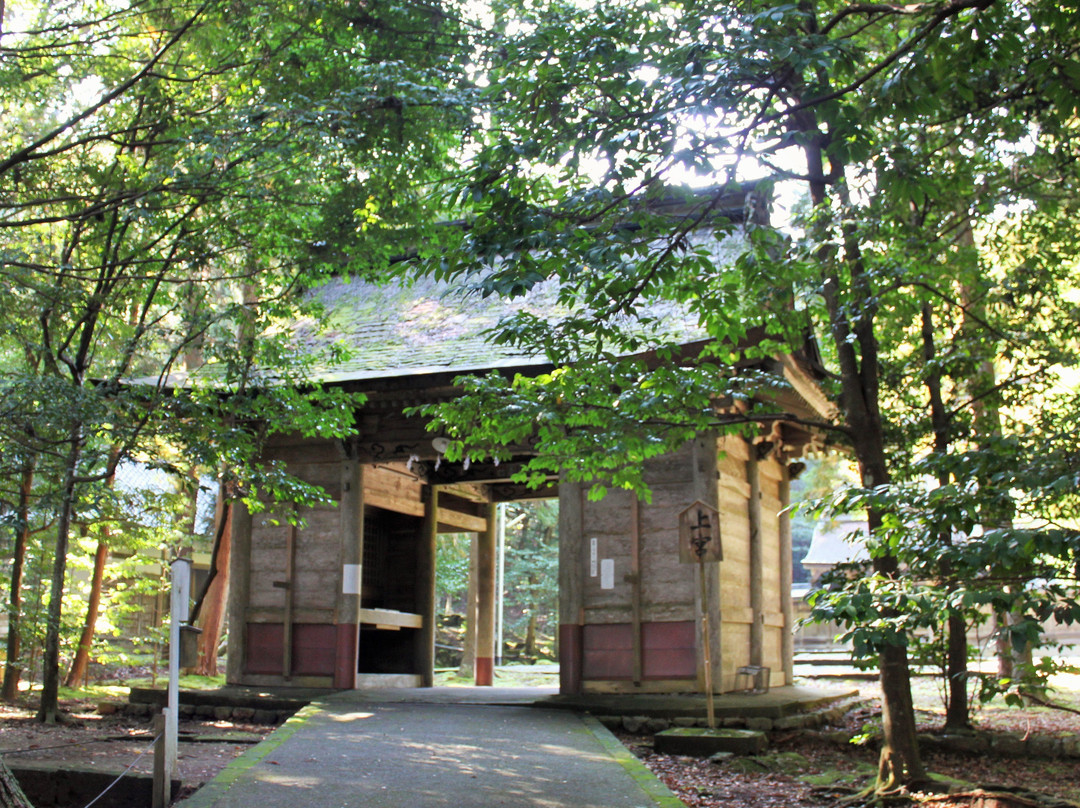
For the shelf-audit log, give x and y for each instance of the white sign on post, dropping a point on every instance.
(607, 573)
(178, 615)
(593, 554)
(351, 579)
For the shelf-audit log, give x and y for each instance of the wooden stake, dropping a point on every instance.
(706, 648)
(161, 782)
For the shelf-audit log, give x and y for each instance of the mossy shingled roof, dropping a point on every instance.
(413, 328)
(427, 326)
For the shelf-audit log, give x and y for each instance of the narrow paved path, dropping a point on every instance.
(345, 752)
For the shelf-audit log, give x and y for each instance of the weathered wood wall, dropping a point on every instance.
(289, 614)
(643, 632)
(292, 577)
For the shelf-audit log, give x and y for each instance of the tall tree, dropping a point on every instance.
(601, 110)
(159, 156)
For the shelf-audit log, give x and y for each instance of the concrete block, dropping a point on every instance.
(791, 722)
(1044, 747)
(655, 725)
(697, 742)
(243, 713)
(759, 724)
(223, 713)
(634, 723)
(1010, 746)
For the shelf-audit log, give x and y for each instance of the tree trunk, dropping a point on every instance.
(856, 348)
(12, 668)
(213, 613)
(530, 635)
(957, 708)
(50, 674)
(81, 663)
(11, 793)
(956, 648)
(900, 764)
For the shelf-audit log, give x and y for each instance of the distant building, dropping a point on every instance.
(835, 541)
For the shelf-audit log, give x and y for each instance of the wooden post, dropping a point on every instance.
(289, 585)
(485, 602)
(178, 615)
(787, 635)
(161, 784)
(352, 558)
(572, 563)
(467, 668)
(425, 588)
(707, 599)
(635, 588)
(757, 562)
(239, 592)
(706, 650)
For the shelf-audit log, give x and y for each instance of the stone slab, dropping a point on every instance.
(704, 742)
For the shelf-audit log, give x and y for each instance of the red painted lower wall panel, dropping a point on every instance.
(314, 649)
(262, 654)
(669, 651)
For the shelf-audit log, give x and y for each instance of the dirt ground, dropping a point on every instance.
(803, 768)
(110, 743)
(822, 767)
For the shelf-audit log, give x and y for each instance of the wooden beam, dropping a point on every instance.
(705, 487)
(485, 602)
(456, 473)
(352, 557)
(389, 618)
(289, 585)
(635, 588)
(389, 502)
(239, 592)
(757, 563)
(473, 492)
(457, 522)
(425, 589)
(514, 492)
(787, 635)
(572, 562)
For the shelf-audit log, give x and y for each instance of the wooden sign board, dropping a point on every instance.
(699, 534)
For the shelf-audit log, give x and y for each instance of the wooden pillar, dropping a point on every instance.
(468, 649)
(757, 562)
(239, 592)
(635, 590)
(289, 585)
(425, 588)
(706, 489)
(485, 602)
(787, 634)
(352, 558)
(572, 567)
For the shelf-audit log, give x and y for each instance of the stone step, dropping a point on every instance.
(704, 742)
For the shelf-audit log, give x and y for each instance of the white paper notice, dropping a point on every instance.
(607, 573)
(592, 557)
(350, 579)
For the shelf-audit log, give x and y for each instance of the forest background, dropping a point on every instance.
(174, 178)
